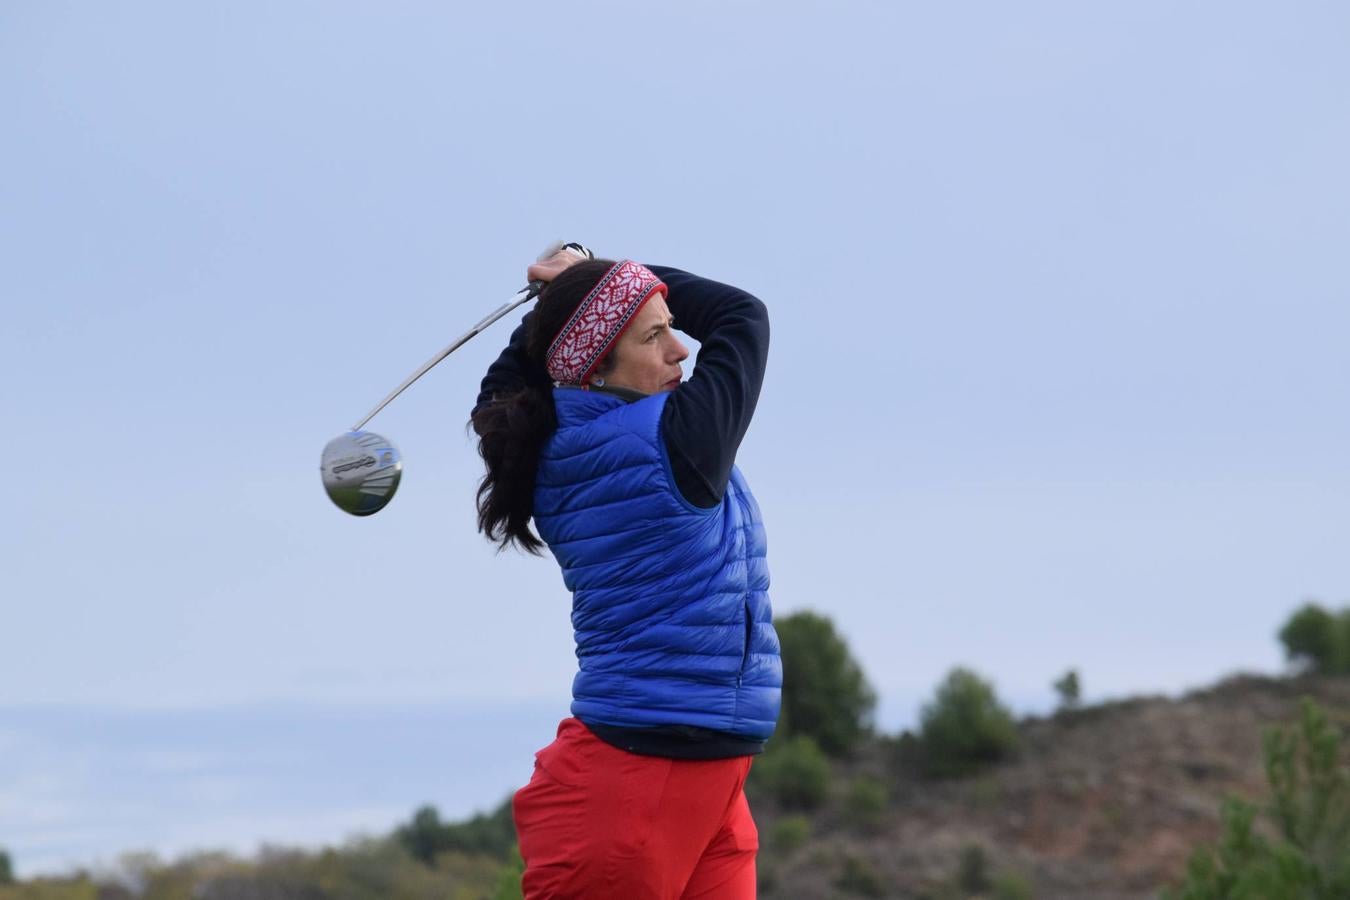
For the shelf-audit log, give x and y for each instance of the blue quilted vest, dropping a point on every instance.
(670, 602)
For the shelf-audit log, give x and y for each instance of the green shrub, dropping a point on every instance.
(973, 879)
(986, 792)
(858, 876)
(765, 874)
(1309, 859)
(903, 753)
(789, 833)
(1318, 639)
(508, 880)
(426, 836)
(825, 695)
(1012, 887)
(794, 772)
(972, 870)
(1069, 689)
(76, 887)
(965, 726)
(865, 803)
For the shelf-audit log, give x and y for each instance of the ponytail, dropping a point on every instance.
(511, 432)
(512, 429)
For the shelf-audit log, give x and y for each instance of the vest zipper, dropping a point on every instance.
(745, 653)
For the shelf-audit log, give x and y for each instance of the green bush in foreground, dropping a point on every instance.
(965, 726)
(1310, 809)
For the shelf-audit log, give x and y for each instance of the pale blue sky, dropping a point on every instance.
(1059, 300)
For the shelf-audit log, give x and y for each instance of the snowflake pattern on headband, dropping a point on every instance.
(599, 320)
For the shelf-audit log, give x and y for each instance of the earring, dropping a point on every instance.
(599, 382)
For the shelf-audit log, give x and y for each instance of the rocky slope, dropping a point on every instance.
(1105, 803)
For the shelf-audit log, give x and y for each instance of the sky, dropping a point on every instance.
(1059, 306)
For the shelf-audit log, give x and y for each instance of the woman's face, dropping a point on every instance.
(647, 355)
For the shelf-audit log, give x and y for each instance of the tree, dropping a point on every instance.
(965, 726)
(1309, 859)
(1318, 639)
(1069, 690)
(825, 695)
(426, 836)
(6, 868)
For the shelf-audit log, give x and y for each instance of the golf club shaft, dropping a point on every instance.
(524, 295)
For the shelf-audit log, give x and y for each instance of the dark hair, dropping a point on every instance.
(512, 429)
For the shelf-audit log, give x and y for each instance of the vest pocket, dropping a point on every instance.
(745, 651)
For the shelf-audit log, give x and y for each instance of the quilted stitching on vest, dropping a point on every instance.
(670, 604)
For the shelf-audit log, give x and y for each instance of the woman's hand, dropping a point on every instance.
(548, 269)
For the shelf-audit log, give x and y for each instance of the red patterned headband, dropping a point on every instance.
(599, 320)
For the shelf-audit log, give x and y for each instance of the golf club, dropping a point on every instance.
(361, 469)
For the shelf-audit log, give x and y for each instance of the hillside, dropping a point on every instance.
(1105, 802)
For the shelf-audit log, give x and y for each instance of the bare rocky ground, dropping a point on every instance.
(1105, 802)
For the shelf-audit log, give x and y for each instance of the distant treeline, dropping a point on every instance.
(1303, 851)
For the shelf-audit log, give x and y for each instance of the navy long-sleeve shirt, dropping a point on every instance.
(706, 418)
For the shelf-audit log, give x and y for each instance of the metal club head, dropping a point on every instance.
(361, 471)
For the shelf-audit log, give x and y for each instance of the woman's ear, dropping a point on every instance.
(603, 368)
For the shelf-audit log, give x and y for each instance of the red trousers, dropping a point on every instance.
(601, 823)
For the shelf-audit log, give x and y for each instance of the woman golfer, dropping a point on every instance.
(586, 426)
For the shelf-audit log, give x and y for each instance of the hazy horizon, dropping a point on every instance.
(81, 782)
